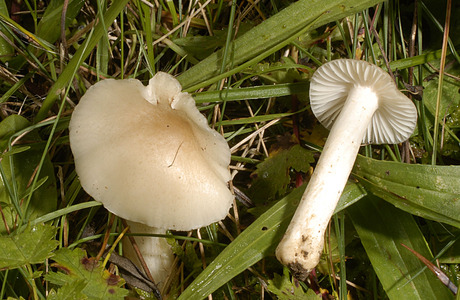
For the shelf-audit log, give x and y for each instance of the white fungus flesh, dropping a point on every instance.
(359, 103)
(148, 154)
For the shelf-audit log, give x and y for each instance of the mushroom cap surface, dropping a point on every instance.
(148, 154)
(396, 117)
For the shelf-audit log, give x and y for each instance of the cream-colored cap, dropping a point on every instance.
(148, 154)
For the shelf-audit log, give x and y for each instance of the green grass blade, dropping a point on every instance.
(255, 92)
(382, 229)
(285, 25)
(256, 242)
(103, 46)
(257, 119)
(432, 192)
(64, 211)
(6, 50)
(81, 54)
(49, 27)
(147, 16)
(417, 60)
(14, 88)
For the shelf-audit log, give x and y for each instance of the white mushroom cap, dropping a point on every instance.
(148, 154)
(394, 120)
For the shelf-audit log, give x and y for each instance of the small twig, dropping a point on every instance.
(440, 274)
(205, 19)
(242, 142)
(413, 35)
(354, 285)
(225, 231)
(109, 253)
(261, 138)
(106, 238)
(7, 228)
(138, 253)
(181, 24)
(175, 155)
(457, 78)
(201, 247)
(440, 82)
(63, 38)
(385, 58)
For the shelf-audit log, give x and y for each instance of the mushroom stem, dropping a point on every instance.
(157, 253)
(302, 245)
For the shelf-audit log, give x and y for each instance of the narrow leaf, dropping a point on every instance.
(432, 192)
(6, 50)
(272, 33)
(17, 169)
(436, 271)
(261, 118)
(383, 229)
(79, 56)
(49, 27)
(256, 242)
(256, 92)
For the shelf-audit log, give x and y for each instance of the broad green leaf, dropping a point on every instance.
(84, 276)
(80, 55)
(448, 111)
(272, 178)
(432, 192)
(69, 291)
(273, 34)
(31, 246)
(10, 126)
(452, 255)
(285, 289)
(256, 242)
(446, 241)
(382, 229)
(22, 165)
(450, 96)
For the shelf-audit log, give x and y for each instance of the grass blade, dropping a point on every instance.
(256, 92)
(382, 229)
(81, 54)
(428, 191)
(275, 31)
(256, 242)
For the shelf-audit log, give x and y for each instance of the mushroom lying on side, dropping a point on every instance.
(149, 156)
(359, 103)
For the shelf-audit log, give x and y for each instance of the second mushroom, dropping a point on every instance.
(359, 103)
